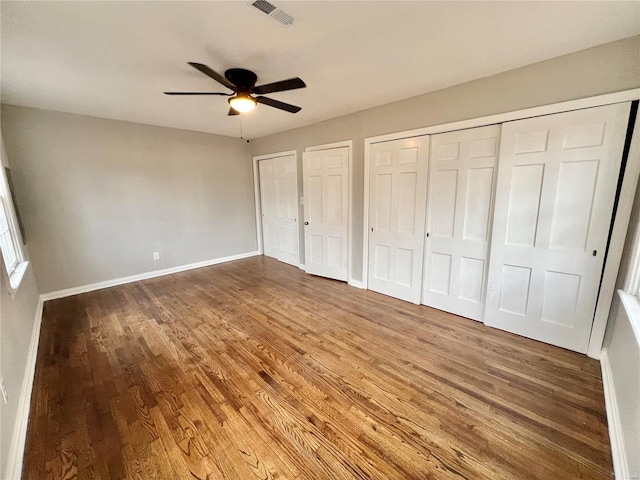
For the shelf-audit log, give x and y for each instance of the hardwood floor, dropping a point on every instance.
(253, 369)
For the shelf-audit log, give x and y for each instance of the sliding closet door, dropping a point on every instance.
(462, 171)
(557, 181)
(397, 199)
(279, 202)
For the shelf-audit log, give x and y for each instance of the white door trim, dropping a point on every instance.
(349, 145)
(256, 193)
(618, 236)
(597, 101)
(329, 146)
(624, 207)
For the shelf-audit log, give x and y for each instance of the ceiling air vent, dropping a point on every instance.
(272, 11)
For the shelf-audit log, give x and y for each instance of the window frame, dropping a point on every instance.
(632, 281)
(13, 277)
(629, 294)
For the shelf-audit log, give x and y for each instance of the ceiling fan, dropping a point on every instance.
(243, 82)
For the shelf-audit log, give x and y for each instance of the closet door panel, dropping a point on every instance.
(557, 181)
(462, 167)
(397, 197)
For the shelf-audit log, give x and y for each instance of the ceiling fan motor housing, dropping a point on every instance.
(245, 80)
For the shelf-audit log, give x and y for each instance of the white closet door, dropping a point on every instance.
(462, 171)
(279, 200)
(397, 199)
(557, 181)
(326, 212)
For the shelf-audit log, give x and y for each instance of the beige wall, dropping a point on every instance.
(17, 316)
(604, 69)
(99, 196)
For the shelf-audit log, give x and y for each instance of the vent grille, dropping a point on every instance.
(272, 11)
(264, 6)
(283, 18)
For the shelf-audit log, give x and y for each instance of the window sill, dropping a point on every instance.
(631, 304)
(16, 278)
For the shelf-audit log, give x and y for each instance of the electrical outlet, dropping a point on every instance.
(156, 255)
(3, 389)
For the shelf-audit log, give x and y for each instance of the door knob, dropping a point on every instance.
(306, 223)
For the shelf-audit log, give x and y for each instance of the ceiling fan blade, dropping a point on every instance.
(215, 75)
(198, 93)
(290, 84)
(276, 104)
(233, 112)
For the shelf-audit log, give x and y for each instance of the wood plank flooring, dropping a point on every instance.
(255, 370)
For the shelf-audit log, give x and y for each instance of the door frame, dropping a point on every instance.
(349, 145)
(623, 213)
(258, 201)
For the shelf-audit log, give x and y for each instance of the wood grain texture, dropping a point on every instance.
(255, 370)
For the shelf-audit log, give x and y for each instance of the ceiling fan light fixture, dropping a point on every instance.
(242, 103)
(243, 84)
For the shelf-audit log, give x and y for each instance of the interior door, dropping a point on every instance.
(326, 212)
(397, 199)
(279, 201)
(462, 171)
(557, 180)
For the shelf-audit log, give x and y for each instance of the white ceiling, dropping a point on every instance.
(114, 59)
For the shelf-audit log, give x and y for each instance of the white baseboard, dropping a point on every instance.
(142, 276)
(620, 469)
(16, 448)
(356, 283)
